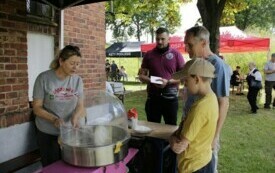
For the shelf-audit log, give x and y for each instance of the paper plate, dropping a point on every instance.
(142, 129)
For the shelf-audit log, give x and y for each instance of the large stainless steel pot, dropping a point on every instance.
(95, 145)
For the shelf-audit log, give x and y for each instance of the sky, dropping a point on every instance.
(189, 16)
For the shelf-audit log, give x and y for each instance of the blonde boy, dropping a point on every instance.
(192, 141)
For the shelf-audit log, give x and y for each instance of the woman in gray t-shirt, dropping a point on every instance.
(57, 99)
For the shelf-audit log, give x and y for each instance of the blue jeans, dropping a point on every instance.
(209, 168)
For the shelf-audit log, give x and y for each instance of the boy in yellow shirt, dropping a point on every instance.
(192, 141)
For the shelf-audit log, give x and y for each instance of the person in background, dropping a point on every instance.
(114, 71)
(236, 80)
(107, 69)
(269, 70)
(123, 74)
(253, 91)
(57, 99)
(197, 45)
(162, 61)
(193, 141)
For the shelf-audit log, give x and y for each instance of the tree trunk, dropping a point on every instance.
(152, 32)
(138, 31)
(211, 12)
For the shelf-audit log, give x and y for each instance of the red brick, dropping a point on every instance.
(23, 40)
(2, 96)
(8, 24)
(19, 73)
(5, 88)
(22, 67)
(22, 80)
(2, 81)
(19, 60)
(3, 120)
(23, 94)
(22, 53)
(12, 108)
(9, 52)
(17, 101)
(19, 87)
(5, 59)
(11, 80)
(5, 102)
(18, 46)
(11, 95)
(10, 67)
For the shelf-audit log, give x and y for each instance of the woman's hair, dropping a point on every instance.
(65, 54)
(252, 64)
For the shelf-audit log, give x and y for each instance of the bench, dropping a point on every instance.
(19, 150)
(119, 90)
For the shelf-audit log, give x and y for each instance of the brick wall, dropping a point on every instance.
(14, 103)
(84, 26)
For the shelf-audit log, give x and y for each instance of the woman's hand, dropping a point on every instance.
(75, 121)
(58, 122)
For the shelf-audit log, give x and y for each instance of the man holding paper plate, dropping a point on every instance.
(156, 70)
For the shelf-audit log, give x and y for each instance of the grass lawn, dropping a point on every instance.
(247, 140)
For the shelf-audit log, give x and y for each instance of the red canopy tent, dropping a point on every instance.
(232, 40)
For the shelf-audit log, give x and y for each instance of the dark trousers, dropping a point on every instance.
(157, 106)
(252, 98)
(269, 85)
(209, 168)
(49, 148)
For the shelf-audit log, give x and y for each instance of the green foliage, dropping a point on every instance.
(232, 7)
(138, 16)
(243, 59)
(258, 14)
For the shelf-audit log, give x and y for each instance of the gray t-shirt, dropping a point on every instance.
(59, 97)
(270, 66)
(220, 84)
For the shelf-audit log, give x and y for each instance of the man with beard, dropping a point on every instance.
(162, 62)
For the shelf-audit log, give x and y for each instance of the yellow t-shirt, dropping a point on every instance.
(199, 128)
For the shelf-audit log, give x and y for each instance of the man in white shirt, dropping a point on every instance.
(269, 70)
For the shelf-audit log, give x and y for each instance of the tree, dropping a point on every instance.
(211, 12)
(258, 14)
(137, 16)
(216, 12)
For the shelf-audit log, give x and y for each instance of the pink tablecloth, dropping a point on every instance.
(62, 167)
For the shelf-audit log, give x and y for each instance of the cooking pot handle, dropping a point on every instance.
(118, 146)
